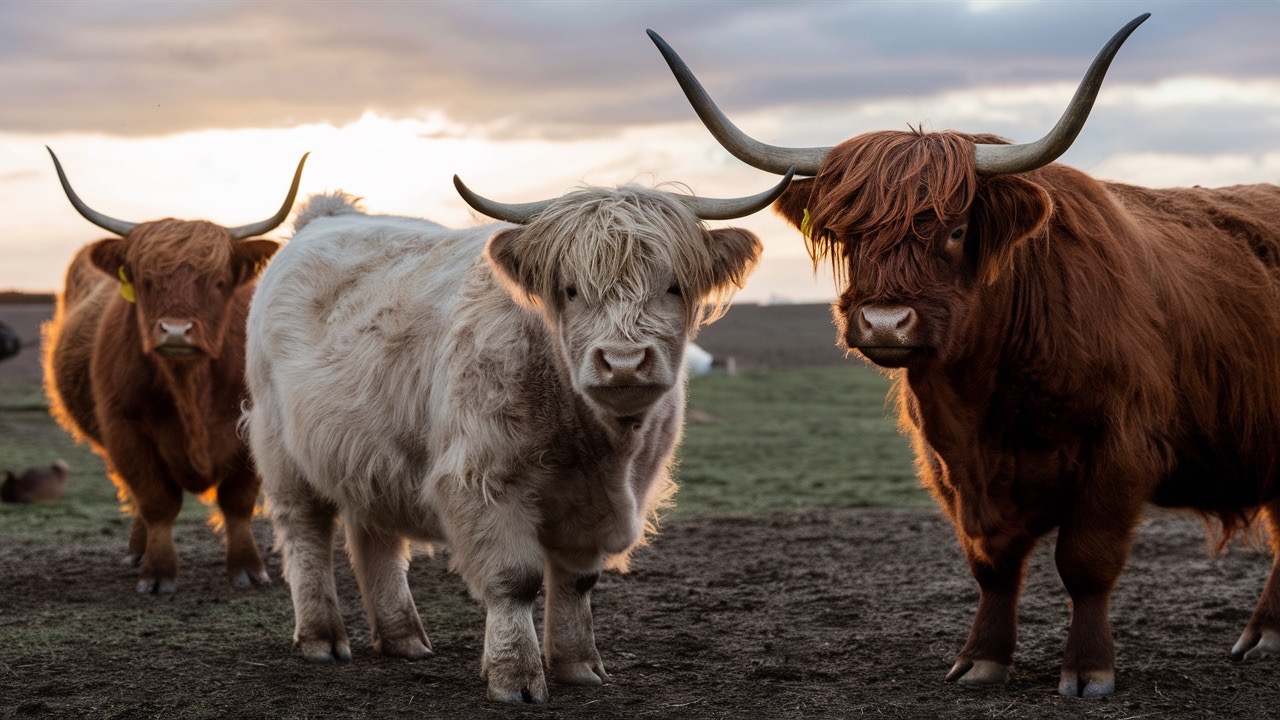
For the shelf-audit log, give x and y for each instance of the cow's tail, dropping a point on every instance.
(335, 202)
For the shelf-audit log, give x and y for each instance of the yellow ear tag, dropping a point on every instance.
(126, 287)
(804, 225)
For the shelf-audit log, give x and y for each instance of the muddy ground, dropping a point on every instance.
(843, 613)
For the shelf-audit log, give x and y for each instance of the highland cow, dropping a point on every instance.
(1066, 350)
(144, 358)
(516, 391)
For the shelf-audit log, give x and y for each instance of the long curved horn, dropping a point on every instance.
(265, 226)
(704, 208)
(728, 209)
(110, 224)
(518, 213)
(773, 158)
(1008, 159)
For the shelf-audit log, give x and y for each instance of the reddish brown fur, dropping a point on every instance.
(164, 424)
(1090, 347)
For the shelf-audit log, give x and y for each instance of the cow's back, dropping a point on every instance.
(348, 334)
(1216, 271)
(68, 341)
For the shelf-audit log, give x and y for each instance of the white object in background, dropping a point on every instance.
(697, 360)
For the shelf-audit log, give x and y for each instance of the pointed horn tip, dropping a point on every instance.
(464, 191)
(663, 46)
(784, 183)
(1123, 33)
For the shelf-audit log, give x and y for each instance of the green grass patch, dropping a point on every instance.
(793, 439)
(88, 510)
(756, 442)
(173, 625)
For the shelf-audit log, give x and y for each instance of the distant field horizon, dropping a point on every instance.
(754, 335)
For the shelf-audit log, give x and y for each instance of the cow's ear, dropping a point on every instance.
(794, 202)
(108, 255)
(249, 257)
(734, 254)
(506, 254)
(1007, 210)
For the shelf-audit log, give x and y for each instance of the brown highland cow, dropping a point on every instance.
(144, 358)
(1066, 350)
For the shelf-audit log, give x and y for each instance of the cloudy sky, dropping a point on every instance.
(201, 109)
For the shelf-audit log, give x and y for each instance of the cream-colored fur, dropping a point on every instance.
(396, 381)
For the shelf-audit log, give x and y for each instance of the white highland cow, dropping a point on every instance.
(514, 391)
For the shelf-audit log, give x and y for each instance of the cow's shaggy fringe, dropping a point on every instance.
(933, 178)
(619, 240)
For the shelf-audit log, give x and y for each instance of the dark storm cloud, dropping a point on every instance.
(564, 69)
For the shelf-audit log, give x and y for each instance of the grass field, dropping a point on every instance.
(761, 441)
(793, 439)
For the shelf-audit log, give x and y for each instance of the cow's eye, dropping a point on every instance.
(958, 233)
(956, 237)
(571, 292)
(675, 290)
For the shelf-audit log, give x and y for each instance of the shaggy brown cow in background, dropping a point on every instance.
(1069, 349)
(144, 358)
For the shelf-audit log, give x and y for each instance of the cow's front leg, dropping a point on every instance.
(381, 560)
(236, 497)
(1261, 637)
(998, 564)
(496, 551)
(1093, 546)
(569, 642)
(156, 503)
(511, 664)
(303, 525)
(137, 548)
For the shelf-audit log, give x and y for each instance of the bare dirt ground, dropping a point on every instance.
(813, 614)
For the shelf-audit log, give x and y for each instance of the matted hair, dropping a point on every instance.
(614, 241)
(880, 185)
(163, 245)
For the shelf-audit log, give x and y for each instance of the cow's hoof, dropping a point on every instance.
(1254, 644)
(245, 578)
(535, 694)
(979, 672)
(517, 686)
(409, 648)
(1094, 684)
(152, 586)
(579, 673)
(325, 651)
(131, 560)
